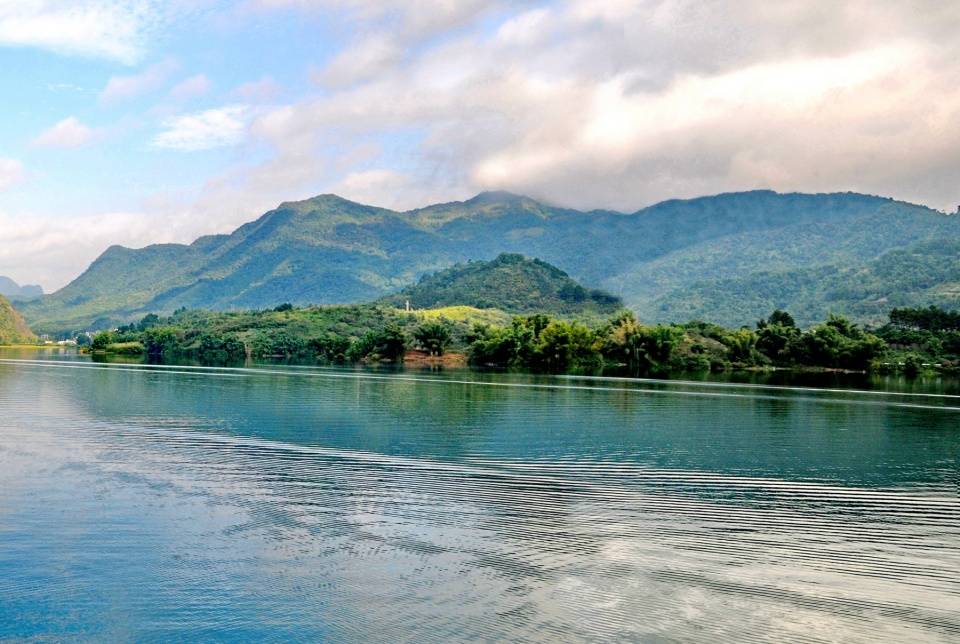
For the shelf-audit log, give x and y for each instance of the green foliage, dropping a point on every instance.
(210, 348)
(922, 336)
(918, 339)
(330, 348)
(511, 283)
(13, 328)
(932, 318)
(777, 341)
(278, 344)
(837, 343)
(102, 340)
(433, 336)
(781, 318)
(885, 274)
(159, 341)
(565, 346)
(387, 344)
(742, 345)
(511, 346)
(642, 349)
(729, 258)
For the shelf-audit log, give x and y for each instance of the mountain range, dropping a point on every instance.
(729, 258)
(13, 291)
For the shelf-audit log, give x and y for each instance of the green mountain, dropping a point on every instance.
(510, 283)
(674, 260)
(13, 291)
(915, 276)
(13, 328)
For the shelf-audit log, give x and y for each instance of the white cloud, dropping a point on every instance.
(263, 90)
(190, 88)
(621, 104)
(68, 133)
(97, 28)
(587, 104)
(524, 29)
(366, 60)
(56, 253)
(386, 188)
(214, 128)
(152, 78)
(11, 172)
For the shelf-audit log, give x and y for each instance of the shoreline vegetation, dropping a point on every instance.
(913, 341)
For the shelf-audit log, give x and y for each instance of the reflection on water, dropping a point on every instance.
(282, 503)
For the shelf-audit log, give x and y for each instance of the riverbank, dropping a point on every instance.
(533, 343)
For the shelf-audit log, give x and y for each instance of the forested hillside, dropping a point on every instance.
(13, 328)
(510, 283)
(729, 257)
(921, 274)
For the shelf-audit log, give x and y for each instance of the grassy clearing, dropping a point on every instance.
(468, 314)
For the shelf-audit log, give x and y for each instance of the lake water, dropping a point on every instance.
(282, 503)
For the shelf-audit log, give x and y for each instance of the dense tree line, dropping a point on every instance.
(914, 339)
(919, 338)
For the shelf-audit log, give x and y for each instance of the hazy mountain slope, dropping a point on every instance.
(330, 250)
(919, 275)
(510, 283)
(13, 328)
(846, 243)
(13, 291)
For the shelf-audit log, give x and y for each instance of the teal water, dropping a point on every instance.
(279, 503)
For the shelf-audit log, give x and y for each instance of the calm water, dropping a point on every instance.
(281, 503)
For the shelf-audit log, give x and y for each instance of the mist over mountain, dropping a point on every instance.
(13, 291)
(731, 258)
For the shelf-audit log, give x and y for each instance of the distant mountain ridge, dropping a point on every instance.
(13, 291)
(663, 260)
(510, 283)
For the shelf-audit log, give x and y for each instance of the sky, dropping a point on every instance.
(144, 121)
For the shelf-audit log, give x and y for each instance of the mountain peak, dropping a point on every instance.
(495, 196)
(511, 283)
(326, 200)
(11, 289)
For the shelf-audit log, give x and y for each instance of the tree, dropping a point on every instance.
(774, 340)
(388, 344)
(150, 320)
(513, 346)
(642, 348)
(159, 341)
(562, 346)
(330, 347)
(215, 348)
(781, 318)
(838, 343)
(279, 344)
(626, 342)
(433, 337)
(742, 345)
(102, 340)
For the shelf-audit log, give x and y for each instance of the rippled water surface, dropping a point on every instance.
(282, 503)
